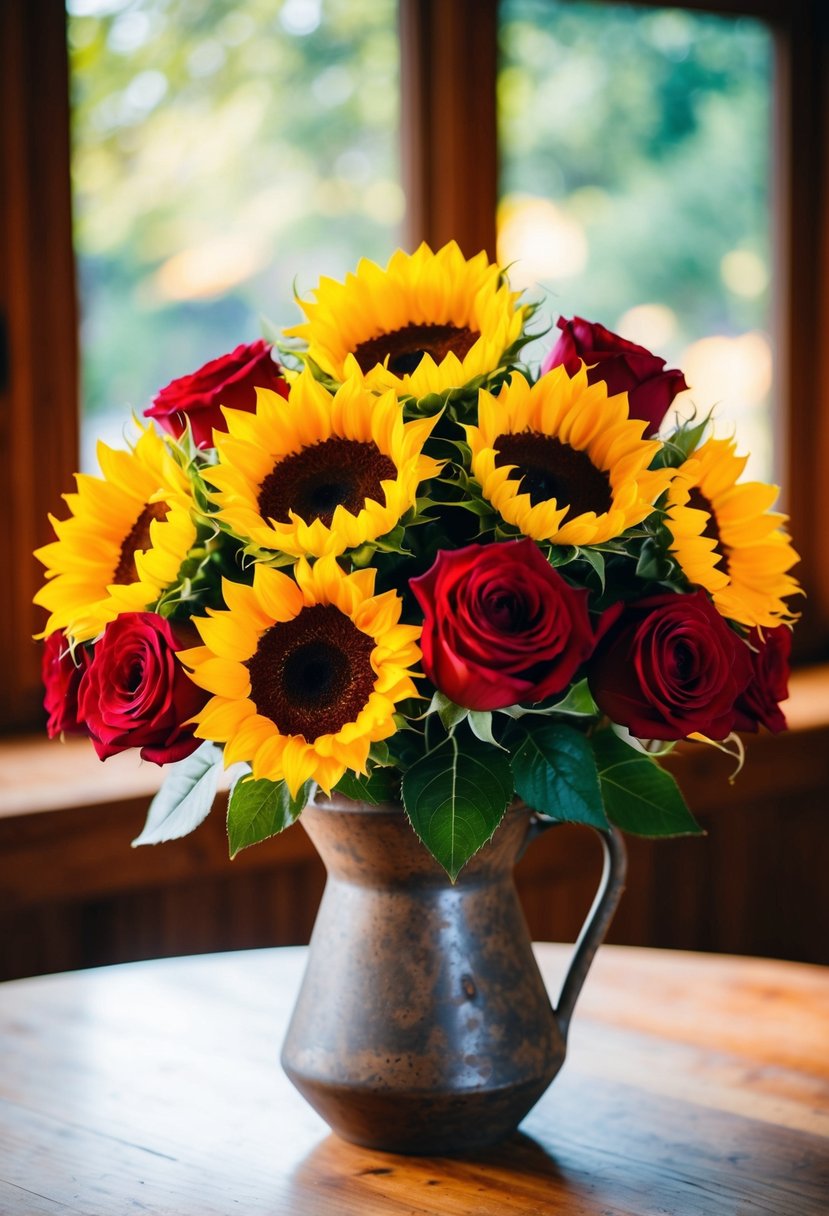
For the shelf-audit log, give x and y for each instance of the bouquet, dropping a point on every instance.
(400, 565)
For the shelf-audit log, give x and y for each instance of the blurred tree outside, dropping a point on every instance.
(224, 153)
(227, 152)
(635, 146)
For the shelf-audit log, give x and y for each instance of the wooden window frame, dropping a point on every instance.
(450, 171)
(451, 176)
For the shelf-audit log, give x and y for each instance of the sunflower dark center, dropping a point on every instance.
(698, 501)
(333, 473)
(547, 468)
(405, 347)
(313, 674)
(137, 539)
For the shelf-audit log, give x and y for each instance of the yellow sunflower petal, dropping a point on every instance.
(304, 680)
(125, 540)
(569, 436)
(320, 473)
(727, 539)
(453, 317)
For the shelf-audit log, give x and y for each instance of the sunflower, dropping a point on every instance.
(304, 674)
(727, 540)
(428, 323)
(123, 544)
(317, 473)
(562, 461)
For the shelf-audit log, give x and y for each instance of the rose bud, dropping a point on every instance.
(501, 625)
(624, 367)
(135, 693)
(759, 704)
(669, 667)
(231, 380)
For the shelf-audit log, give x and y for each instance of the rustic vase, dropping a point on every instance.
(423, 1024)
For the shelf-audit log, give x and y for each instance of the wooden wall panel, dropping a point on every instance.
(74, 894)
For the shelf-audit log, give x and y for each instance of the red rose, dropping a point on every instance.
(61, 680)
(501, 625)
(624, 367)
(758, 705)
(135, 693)
(231, 380)
(669, 667)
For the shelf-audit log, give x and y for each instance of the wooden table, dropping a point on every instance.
(695, 1085)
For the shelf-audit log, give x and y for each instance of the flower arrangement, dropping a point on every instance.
(399, 565)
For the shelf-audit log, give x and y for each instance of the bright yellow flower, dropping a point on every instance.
(727, 540)
(427, 323)
(562, 461)
(305, 674)
(318, 474)
(123, 544)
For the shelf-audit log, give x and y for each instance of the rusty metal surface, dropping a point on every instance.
(423, 1024)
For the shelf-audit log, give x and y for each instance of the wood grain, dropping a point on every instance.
(38, 317)
(694, 1086)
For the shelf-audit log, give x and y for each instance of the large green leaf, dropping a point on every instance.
(185, 798)
(639, 795)
(455, 797)
(258, 809)
(555, 772)
(382, 785)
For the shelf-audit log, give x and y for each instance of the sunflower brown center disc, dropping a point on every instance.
(406, 347)
(698, 502)
(313, 674)
(314, 482)
(138, 539)
(547, 468)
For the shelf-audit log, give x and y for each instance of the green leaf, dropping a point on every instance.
(578, 702)
(185, 798)
(562, 555)
(258, 809)
(455, 797)
(378, 753)
(555, 772)
(480, 723)
(678, 447)
(379, 786)
(449, 713)
(594, 558)
(639, 795)
(653, 563)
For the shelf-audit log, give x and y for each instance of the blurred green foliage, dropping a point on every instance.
(651, 129)
(222, 149)
(226, 151)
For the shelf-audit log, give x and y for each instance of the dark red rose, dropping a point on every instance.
(758, 706)
(624, 367)
(135, 693)
(501, 625)
(231, 380)
(671, 666)
(61, 680)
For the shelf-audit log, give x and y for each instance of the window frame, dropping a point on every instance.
(449, 54)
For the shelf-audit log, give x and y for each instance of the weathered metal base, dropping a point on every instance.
(418, 1124)
(423, 1025)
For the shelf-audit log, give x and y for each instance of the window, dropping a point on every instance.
(635, 187)
(221, 153)
(450, 179)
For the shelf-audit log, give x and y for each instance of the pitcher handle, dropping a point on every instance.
(597, 922)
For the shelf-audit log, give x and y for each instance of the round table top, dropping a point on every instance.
(694, 1084)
